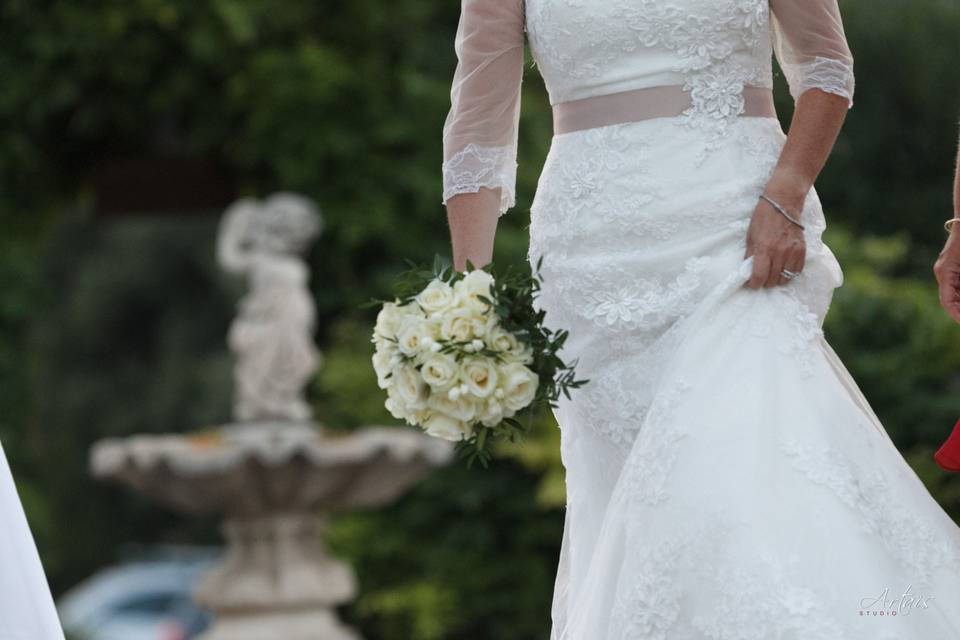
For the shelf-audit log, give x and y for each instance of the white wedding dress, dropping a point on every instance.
(726, 479)
(27, 611)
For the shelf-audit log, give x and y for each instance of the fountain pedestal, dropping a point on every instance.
(275, 485)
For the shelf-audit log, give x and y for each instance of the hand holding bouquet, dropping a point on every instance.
(461, 354)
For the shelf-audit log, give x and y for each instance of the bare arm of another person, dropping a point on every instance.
(480, 132)
(947, 267)
(811, 47)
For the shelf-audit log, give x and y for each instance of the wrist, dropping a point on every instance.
(952, 225)
(789, 187)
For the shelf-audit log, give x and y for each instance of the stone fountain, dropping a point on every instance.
(274, 474)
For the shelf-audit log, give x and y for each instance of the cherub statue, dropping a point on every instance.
(272, 335)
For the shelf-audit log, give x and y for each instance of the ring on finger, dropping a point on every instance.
(789, 275)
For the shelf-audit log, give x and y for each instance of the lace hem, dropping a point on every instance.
(832, 76)
(476, 166)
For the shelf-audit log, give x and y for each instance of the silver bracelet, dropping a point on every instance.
(776, 205)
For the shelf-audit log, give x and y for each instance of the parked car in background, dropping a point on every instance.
(146, 598)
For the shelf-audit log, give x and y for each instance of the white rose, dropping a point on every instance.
(474, 284)
(395, 405)
(383, 365)
(446, 427)
(431, 327)
(382, 344)
(440, 371)
(437, 296)
(410, 336)
(522, 353)
(460, 325)
(388, 321)
(418, 416)
(480, 376)
(500, 339)
(492, 413)
(481, 328)
(519, 385)
(410, 387)
(463, 407)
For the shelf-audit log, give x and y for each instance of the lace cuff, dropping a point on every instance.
(811, 46)
(477, 166)
(832, 76)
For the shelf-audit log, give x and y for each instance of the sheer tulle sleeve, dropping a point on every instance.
(811, 46)
(480, 132)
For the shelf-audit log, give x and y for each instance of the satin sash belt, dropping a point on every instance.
(641, 104)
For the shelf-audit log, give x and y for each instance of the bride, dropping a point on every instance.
(26, 607)
(726, 478)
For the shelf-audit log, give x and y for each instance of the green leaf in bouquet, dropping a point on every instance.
(474, 449)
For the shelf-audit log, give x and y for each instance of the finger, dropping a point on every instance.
(954, 309)
(794, 263)
(950, 293)
(746, 263)
(761, 270)
(951, 303)
(946, 285)
(751, 233)
(776, 268)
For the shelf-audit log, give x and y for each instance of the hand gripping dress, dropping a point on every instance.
(726, 479)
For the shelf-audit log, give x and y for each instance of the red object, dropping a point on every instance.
(948, 456)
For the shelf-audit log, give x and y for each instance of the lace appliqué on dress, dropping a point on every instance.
(805, 326)
(760, 601)
(706, 45)
(757, 599)
(871, 496)
(648, 606)
(614, 299)
(656, 451)
(576, 193)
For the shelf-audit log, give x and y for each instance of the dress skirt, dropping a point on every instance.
(27, 611)
(726, 479)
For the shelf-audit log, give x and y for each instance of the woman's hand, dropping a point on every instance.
(947, 271)
(947, 268)
(775, 244)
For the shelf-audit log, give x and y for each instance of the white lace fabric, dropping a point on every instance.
(591, 48)
(474, 166)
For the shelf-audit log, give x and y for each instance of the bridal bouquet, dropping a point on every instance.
(462, 354)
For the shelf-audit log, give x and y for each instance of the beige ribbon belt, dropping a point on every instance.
(642, 104)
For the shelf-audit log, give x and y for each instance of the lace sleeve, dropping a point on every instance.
(811, 46)
(480, 132)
